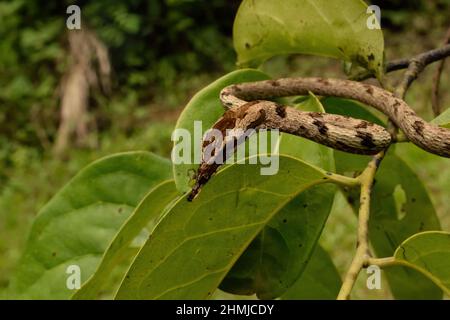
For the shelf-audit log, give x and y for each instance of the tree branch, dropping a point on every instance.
(423, 59)
(437, 80)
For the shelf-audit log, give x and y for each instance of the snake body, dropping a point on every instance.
(247, 107)
(423, 134)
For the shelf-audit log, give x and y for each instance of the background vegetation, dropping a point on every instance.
(161, 52)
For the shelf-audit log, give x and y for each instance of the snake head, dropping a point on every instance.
(213, 150)
(220, 142)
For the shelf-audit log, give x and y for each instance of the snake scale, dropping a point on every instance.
(247, 107)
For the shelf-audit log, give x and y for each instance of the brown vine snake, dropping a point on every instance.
(247, 108)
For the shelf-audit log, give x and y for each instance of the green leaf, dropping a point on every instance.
(394, 219)
(79, 222)
(319, 281)
(330, 28)
(148, 211)
(197, 243)
(280, 253)
(443, 119)
(205, 106)
(428, 253)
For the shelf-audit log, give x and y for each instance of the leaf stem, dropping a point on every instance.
(418, 63)
(383, 262)
(343, 180)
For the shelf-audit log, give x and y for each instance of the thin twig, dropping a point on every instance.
(437, 80)
(362, 254)
(425, 58)
(417, 64)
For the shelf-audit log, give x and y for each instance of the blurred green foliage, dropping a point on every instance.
(400, 15)
(152, 45)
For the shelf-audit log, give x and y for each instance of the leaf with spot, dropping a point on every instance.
(197, 243)
(78, 223)
(279, 254)
(330, 28)
(319, 281)
(206, 107)
(147, 213)
(428, 253)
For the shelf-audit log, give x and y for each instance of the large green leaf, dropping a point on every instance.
(280, 253)
(429, 253)
(148, 211)
(443, 119)
(79, 222)
(197, 243)
(278, 256)
(319, 281)
(205, 106)
(331, 28)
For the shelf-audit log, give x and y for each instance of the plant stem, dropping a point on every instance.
(362, 254)
(418, 63)
(343, 180)
(382, 262)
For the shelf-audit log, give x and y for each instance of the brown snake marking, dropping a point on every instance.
(338, 132)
